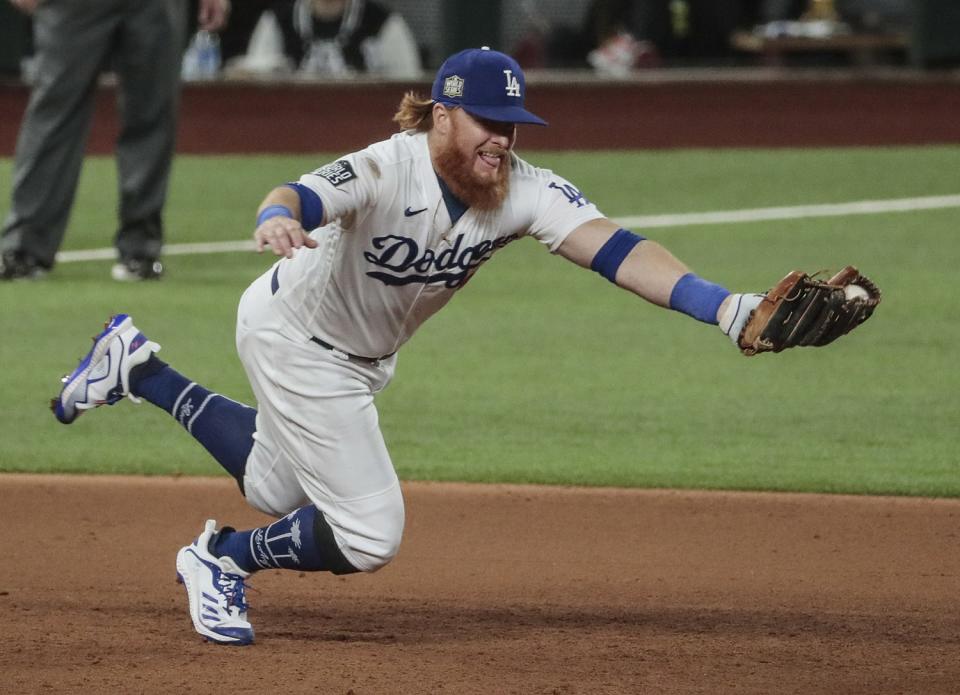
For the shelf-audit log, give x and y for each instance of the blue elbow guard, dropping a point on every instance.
(612, 253)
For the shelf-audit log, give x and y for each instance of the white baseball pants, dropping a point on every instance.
(318, 438)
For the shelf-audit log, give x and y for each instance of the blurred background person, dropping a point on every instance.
(330, 38)
(777, 10)
(692, 32)
(618, 36)
(141, 41)
(606, 24)
(235, 37)
(616, 29)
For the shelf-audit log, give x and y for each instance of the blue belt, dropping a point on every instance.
(275, 285)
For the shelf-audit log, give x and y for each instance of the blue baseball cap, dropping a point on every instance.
(484, 83)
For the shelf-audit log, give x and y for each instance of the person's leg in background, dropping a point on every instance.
(148, 65)
(72, 42)
(235, 37)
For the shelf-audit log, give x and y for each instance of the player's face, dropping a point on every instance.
(485, 144)
(473, 157)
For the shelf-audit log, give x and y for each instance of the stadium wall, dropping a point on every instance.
(700, 111)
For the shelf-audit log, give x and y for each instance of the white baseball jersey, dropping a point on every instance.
(388, 259)
(390, 256)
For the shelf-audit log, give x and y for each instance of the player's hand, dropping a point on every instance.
(283, 235)
(735, 312)
(212, 14)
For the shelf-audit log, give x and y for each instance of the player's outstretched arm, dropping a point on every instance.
(650, 271)
(279, 223)
(647, 269)
(799, 310)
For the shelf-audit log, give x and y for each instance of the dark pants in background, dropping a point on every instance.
(142, 42)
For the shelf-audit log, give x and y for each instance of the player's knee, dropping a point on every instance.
(374, 553)
(372, 539)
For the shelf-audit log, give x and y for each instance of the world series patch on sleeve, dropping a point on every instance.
(337, 172)
(801, 310)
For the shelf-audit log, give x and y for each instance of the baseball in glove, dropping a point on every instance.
(802, 310)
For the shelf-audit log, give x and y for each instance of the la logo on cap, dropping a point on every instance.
(453, 86)
(513, 84)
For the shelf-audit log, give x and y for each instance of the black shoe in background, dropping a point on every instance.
(15, 265)
(136, 269)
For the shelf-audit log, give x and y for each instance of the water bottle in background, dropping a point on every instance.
(190, 68)
(201, 61)
(209, 54)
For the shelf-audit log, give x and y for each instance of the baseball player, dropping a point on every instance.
(370, 245)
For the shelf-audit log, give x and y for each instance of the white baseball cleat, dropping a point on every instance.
(215, 591)
(103, 376)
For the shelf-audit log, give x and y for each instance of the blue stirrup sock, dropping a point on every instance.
(302, 540)
(224, 427)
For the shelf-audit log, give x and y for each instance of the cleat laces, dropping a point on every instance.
(232, 588)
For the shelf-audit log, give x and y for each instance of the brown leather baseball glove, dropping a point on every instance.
(802, 310)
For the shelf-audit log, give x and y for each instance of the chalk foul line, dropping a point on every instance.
(199, 248)
(687, 219)
(862, 207)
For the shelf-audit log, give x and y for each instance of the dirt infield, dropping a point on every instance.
(497, 589)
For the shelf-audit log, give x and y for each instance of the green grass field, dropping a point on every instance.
(539, 371)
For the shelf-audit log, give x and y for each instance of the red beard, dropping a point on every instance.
(456, 170)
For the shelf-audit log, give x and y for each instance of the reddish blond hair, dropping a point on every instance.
(414, 113)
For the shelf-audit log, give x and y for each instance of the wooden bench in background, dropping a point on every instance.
(864, 49)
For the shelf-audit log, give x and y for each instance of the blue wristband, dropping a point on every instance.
(613, 252)
(273, 211)
(311, 207)
(698, 298)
